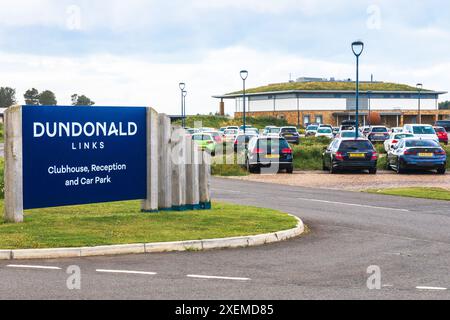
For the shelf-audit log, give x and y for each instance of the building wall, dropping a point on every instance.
(328, 116)
(277, 103)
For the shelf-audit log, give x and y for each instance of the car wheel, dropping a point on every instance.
(332, 169)
(373, 171)
(442, 170)
(399, 167)
(290, 170)
(324, 166)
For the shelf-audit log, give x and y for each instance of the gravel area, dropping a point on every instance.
(354, 182)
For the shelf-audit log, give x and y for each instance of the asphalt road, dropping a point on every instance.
(408, 239)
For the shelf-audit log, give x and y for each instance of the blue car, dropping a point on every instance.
(418, 154)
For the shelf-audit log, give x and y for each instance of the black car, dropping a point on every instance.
(444, 124)
(290, 134)
(378, 134)
(269, 152)
(345, 154)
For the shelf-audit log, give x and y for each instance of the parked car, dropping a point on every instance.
(274, 132)
(443, 123)
(267, 152)
(230, 135)
(354, 154)
(232, 128)
(418, 154)
(191, 132)
(311, 130)
(242, 141)
(216, 136)
(267, 130)
(349, 134)
(253, 131)
(442, 134)
(365, 131)
(397, 130)
(394, 139)
(222, 130)
(421, 131)
(336, 131)
(378, 134)
(348, 125)
(325, 132)
(326, 126)
(290, 134)
(205, 142)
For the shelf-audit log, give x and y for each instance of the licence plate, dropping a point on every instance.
(426, 155)
(273, 156)
(357, 155)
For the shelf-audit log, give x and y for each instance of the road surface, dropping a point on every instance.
(408, 239)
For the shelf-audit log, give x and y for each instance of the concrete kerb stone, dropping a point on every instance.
(45, 253)
(113, 250)
(198, 245)
(5, 255)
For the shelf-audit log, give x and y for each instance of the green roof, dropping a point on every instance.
(330, 86)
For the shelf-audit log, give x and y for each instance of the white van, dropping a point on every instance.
(421, 131)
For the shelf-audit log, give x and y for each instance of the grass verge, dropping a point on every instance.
(424, 193)
(123, 223)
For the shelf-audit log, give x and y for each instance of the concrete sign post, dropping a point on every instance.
(165, 163)
(13, 165)
(192, 175)
(178, 169)
(151, 203)
(205, 178)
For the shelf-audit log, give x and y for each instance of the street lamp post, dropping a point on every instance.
(182, 87)
(357, 48)
(370, 107)
(244, 76)
(184, 108)
(419, 88)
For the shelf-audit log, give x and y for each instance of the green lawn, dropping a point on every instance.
(123, 223)
(425, 193)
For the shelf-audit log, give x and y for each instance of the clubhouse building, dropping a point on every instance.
(312, 100)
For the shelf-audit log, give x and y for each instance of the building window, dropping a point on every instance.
(319, 119)
(306, 120)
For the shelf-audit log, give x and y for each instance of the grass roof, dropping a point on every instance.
(331, 86)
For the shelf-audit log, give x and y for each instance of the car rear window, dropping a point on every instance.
(439, 129)
(325, 131)
(403, 136)
(356, 146)
(312, 128)
(268, 144)
(424, 130)
(379, 130)
(290, 130)
(421, 143)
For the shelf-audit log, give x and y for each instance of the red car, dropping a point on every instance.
(442, 134)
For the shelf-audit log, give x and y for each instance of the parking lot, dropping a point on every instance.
(352, 181)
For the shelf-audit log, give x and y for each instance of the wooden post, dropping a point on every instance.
(178, 169)
(151, 203)
(205, 181)
(192, 175)
(165, 166)
(13, 165)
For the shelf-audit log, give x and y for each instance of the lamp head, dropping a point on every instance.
(182, 86)
(419, 86)
(184, 93)
(358, 48)
(244, 74)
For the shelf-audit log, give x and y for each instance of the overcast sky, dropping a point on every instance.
(136, 52)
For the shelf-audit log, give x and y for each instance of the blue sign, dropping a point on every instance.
(81, 155)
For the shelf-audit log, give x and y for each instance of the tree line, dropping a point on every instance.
(35, 98)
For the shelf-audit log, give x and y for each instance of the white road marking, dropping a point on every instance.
(127, 272)
(217, 278)
(432, 288)
(32, 267)
(353, 205)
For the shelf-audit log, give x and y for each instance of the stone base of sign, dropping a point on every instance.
(227, 243)
(206, 206)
